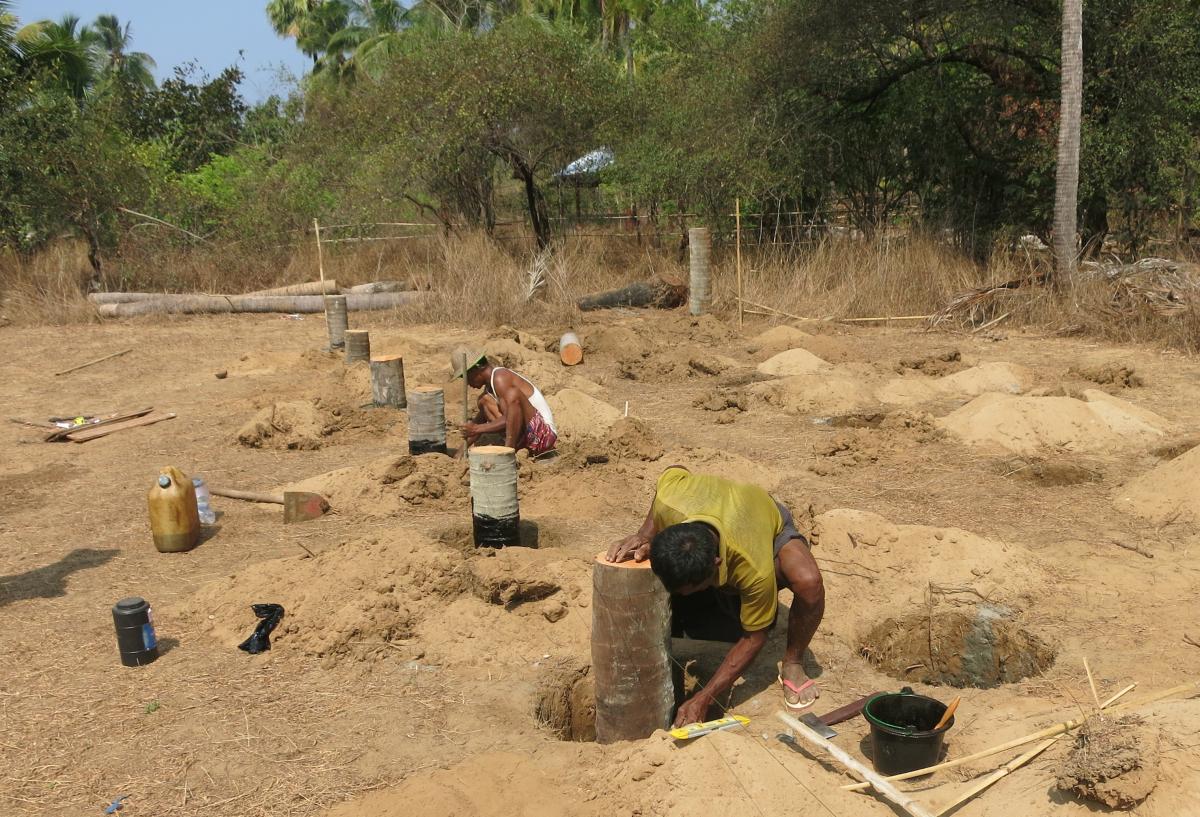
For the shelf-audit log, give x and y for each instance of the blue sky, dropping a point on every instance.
(211, 33)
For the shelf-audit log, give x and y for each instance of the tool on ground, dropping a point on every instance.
(695, 730)
(116, 805)
(822, 724)
(948, 714)
(298, 506)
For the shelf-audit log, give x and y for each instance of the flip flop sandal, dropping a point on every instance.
(797, 690)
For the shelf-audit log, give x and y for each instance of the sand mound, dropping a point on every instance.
(391, 484)
(351, 601)
(614, 341)
(511, 576)
(1004, 378)
(779, 339)
(628, 439)
(823, 394)
(1109, 374)
(674, 365)
(579, 415)
(792, 362)
(1166, 493)
(296, 424)
(1028, 425)
(1113, 762)
(937, 364)
(889, 569)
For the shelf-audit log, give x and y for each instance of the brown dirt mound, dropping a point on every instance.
(1049, 473)
(674, 365)
(849, 449)
(1003, 378)
(356, 600)
(1028, 425)
(613, 341)
(509, 577)
(792, 362)
(1166, 493)
(578, 415)
(1109, 374)
(628, 439)
(295, 424)
(825, 393)
(1112, 762)
(565, 701)
(728, 403)
(982, 649)
(778, 339)
(388, 485)
(936, 364)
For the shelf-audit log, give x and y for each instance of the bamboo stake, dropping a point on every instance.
(887, 318)
(1119, 695)
(1048, 732)
(1091, 682)
(321, 271)
(881, 785)
(1004, 770)
(777, 311)
(737, 208)
(94, 362)
(466, 389)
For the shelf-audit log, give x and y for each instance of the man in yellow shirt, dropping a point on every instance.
(728, 547)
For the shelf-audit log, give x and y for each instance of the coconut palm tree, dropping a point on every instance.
(113, 39)
(1066, 188)
(8, 29)
(64, 50)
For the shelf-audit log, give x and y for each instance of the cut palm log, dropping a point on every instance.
(570, 350)
(381, 286)
(644, 293)
(216, 304)
(328, 287)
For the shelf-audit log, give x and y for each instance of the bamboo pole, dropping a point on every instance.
(777, 311)
(462, 362)
(1006, 769)
(1048, 732)
(94, 362)
(737, 209)
(1091, 682)
(880, 784)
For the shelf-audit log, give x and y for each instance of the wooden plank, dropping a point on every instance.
(64, 433)
(94, 433)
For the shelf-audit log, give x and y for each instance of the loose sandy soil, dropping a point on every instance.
(410, 672)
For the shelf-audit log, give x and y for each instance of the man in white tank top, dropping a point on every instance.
(510, 404)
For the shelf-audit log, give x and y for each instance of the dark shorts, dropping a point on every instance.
(714, 614)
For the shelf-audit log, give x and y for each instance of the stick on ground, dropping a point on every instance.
(94, 362)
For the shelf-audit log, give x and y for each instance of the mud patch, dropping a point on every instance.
(565, 702)
(849, 449)
(1113, 762)
(673, 366)
(1049, 473)
(1109, 374)
(937, 364)
(955, 649)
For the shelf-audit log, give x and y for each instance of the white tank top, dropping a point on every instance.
(537, 399)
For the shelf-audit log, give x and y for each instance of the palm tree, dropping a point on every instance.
(8, 28)
(1066, 188)
(132, 67)
(64, 50)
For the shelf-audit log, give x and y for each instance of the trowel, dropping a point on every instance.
(298, 506)
(822, 724)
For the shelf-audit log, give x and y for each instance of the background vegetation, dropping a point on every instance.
(879, 121)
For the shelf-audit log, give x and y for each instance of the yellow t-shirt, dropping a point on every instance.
(747, 519)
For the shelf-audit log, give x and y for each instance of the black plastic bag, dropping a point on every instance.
(260, 639)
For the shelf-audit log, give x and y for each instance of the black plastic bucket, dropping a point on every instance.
(902, 735)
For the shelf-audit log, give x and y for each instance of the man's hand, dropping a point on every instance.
(635, 547)
(470, 432)
(693, 710)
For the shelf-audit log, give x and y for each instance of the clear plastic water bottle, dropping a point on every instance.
(204, 501)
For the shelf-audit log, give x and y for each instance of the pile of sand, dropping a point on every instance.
(389, 485)
(823, 393)
(1028, 425)
(612, 341)
(295, 424)
(1003, 378)
(792, 362)
(353, 600)
(1170, 492)
(778, 339)
(889, 569)
(627, 439)
(578, 415)
(674, 365)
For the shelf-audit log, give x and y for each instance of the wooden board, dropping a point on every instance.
(65, 433)
(92, 432)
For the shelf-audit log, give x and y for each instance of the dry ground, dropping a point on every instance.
(398, 686)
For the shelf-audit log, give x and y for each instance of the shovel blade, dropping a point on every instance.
(817, 725)
(301, 506)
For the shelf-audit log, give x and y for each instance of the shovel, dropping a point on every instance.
(844, 713)
(298, 506)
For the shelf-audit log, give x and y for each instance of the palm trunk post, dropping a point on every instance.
(1067, 175)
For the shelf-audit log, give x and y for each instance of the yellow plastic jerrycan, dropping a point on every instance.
(174, 519)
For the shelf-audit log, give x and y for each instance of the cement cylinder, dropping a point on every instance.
(337, 319)
(570, 350)
(387, 381)
(426, 420)
(495, 517)
(358, 345)
(631, 651)
(700, 281)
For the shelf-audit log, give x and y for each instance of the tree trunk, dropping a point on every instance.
(1066, 187)
(534, 200)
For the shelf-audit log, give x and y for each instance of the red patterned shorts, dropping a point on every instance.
(539, 437)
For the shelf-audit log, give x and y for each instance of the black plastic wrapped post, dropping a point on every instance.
(631, 651)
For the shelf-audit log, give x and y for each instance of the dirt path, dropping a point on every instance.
(397, 678)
